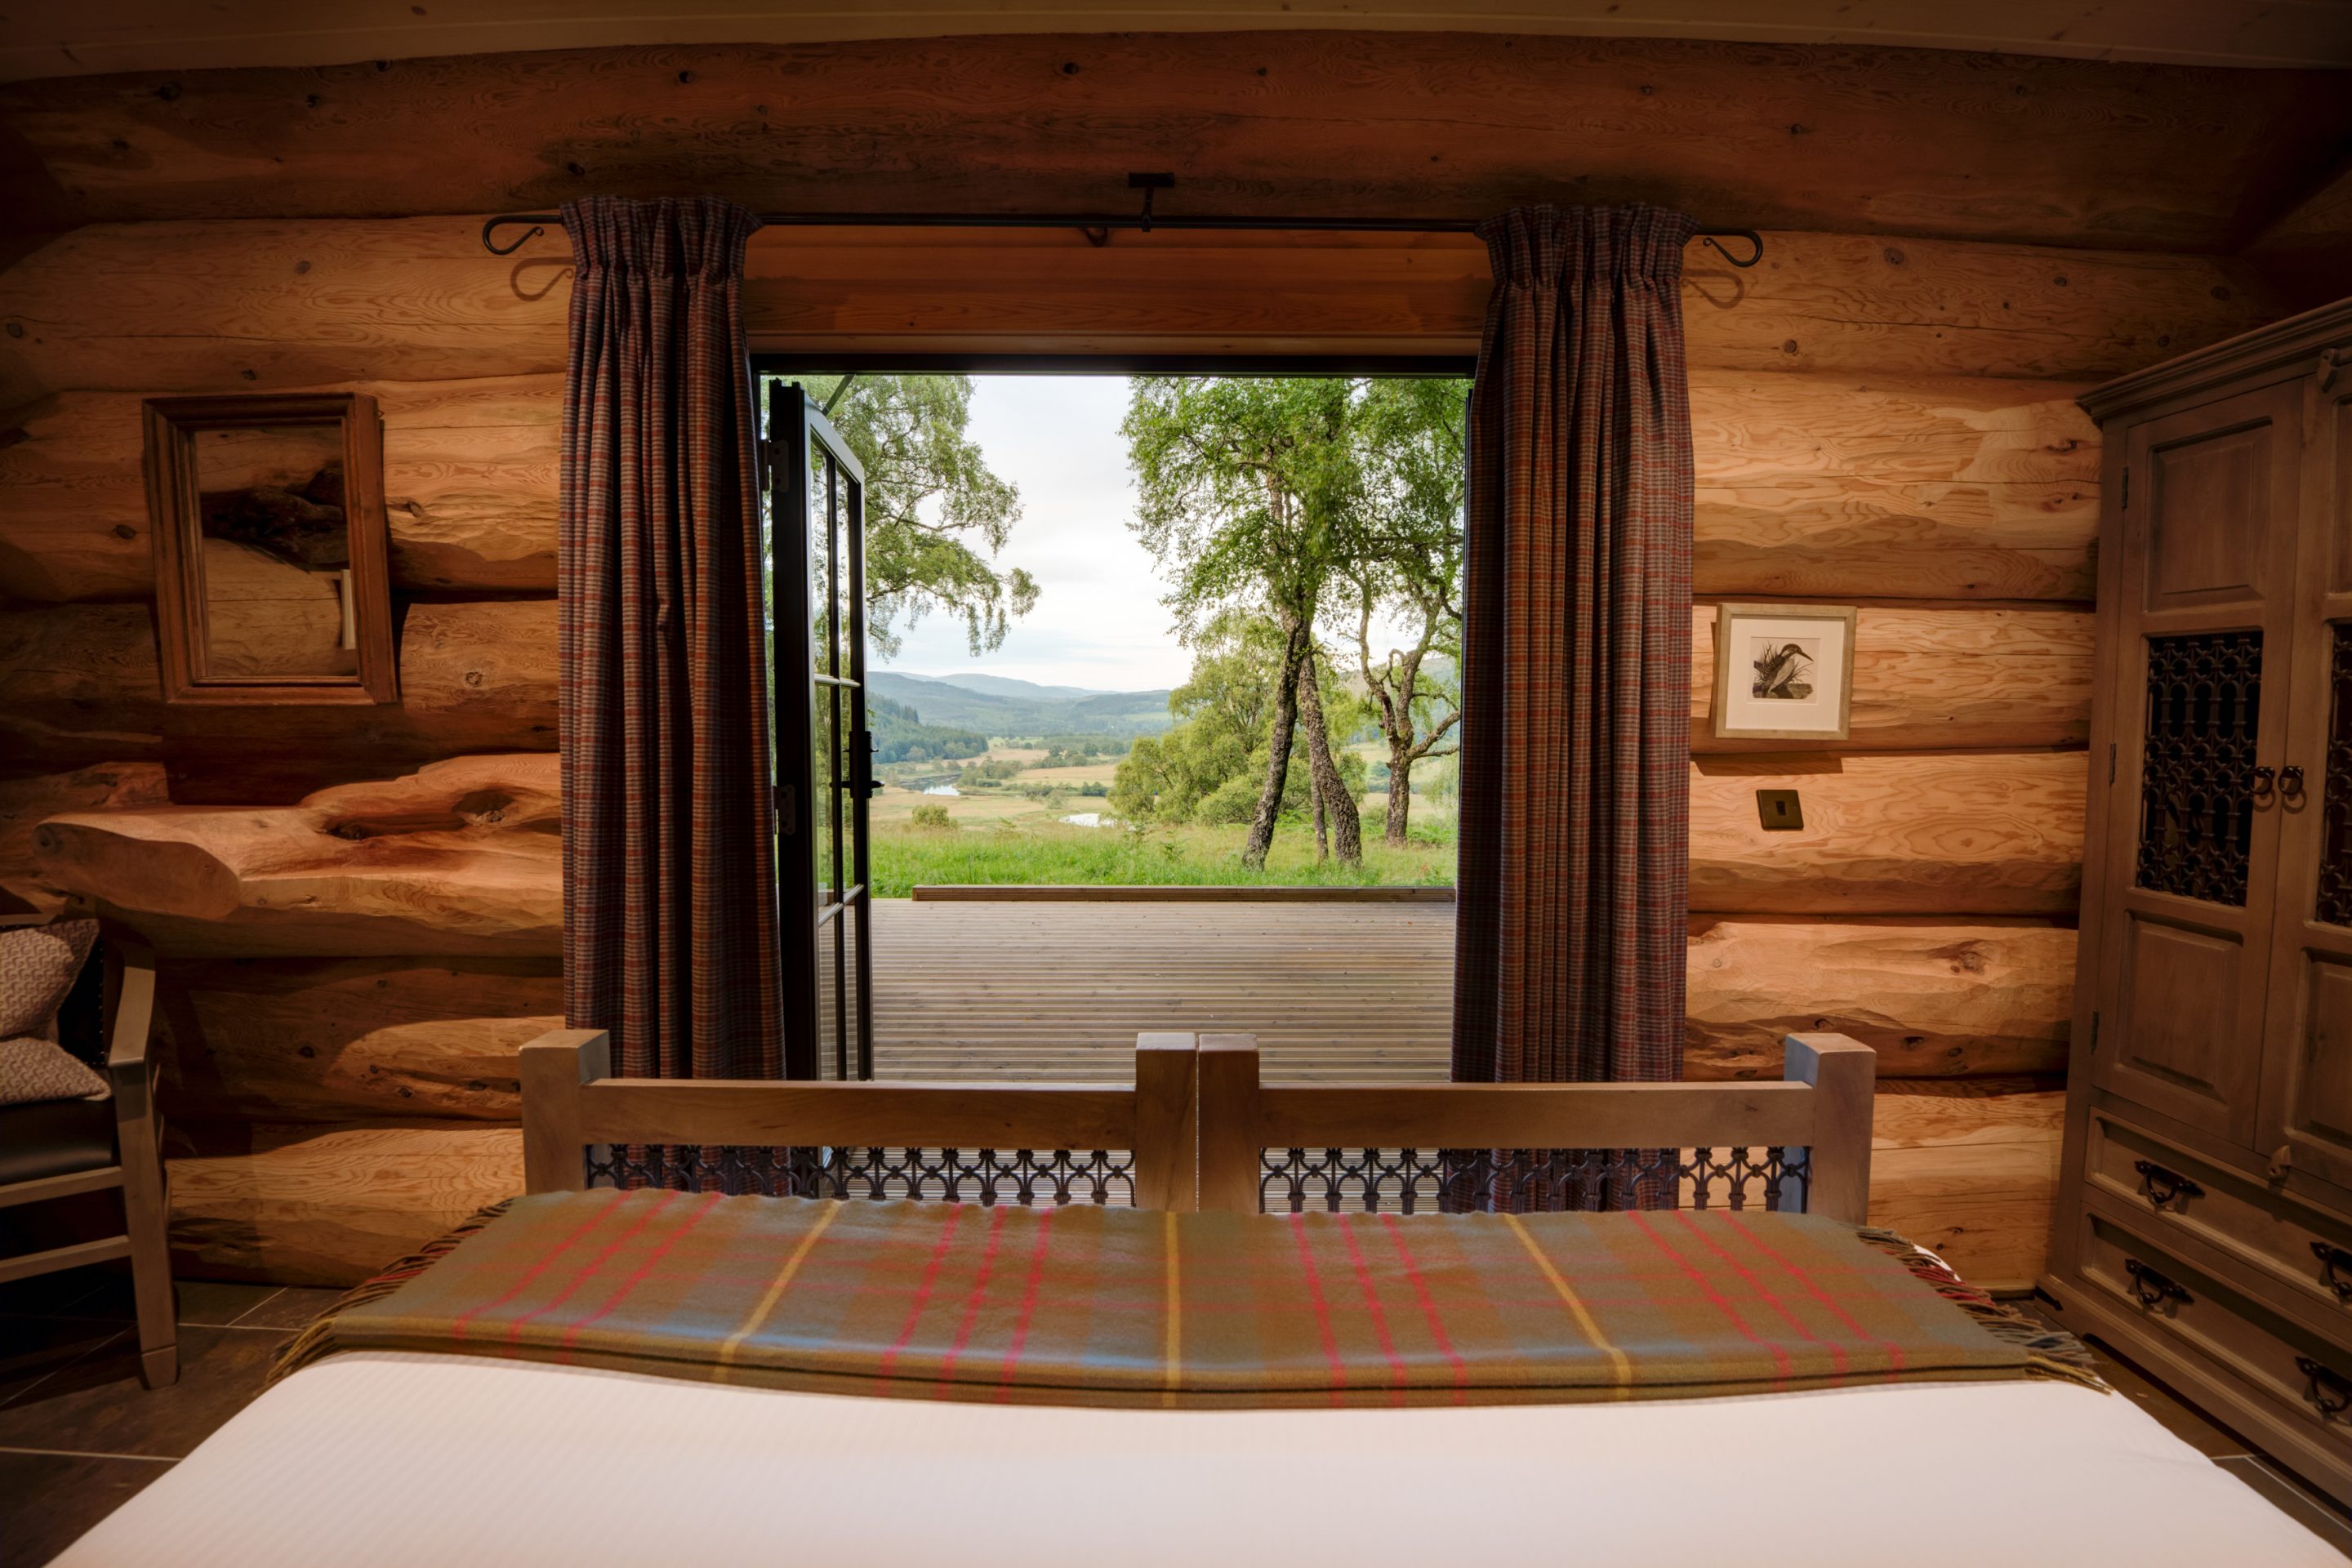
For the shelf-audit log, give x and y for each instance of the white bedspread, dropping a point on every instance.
(384, 1459)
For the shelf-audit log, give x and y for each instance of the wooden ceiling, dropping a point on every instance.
(73, 38)
(1850, 139)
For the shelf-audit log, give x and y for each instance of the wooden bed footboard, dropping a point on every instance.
(571, 1104)
(1201, 1131)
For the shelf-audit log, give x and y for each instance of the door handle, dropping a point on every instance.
(2332, 1259)
(2330, 1391)
(2290, 784)
(2265, 783)
(2165, 1186)
(2152, 1289)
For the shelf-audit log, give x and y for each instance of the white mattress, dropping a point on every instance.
(384, 1459)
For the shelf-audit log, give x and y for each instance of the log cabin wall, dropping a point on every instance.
(1886, 420)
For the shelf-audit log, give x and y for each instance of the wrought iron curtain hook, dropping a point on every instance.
(1713, 240)
(1147, 183)
(538, 222)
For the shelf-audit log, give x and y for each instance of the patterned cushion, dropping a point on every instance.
(34, 1068)
(37, 967)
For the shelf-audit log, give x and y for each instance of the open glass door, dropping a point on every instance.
(823, 751)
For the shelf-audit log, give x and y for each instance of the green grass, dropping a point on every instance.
(1054, 854)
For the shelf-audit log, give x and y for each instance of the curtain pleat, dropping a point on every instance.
(1575, 789)
(668, 852)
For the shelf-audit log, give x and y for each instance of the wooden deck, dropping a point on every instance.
(967, 990)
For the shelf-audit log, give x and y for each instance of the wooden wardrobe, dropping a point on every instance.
(2204, 1224)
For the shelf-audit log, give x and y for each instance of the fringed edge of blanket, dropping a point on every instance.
(311, 1343)
(2049, 1352)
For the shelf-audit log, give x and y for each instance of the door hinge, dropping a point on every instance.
(2095, 1034)
(2127, 500)
(2111, 763)
(764, 448)
(787, 804)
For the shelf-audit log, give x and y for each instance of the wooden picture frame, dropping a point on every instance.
(1819, 642)
(285, 530)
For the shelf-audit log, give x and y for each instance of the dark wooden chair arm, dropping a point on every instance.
(130, 1015)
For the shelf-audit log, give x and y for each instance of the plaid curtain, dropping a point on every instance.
(1575, 789)
(669, 934)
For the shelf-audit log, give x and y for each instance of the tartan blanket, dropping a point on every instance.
(1086, 1305)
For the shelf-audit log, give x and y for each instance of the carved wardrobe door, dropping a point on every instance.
(2306, 1106)
(2204, 633)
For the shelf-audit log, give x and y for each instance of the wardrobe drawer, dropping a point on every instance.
(2174, 1191)
(2236, 1333)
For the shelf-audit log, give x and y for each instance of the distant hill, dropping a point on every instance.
(997, 705)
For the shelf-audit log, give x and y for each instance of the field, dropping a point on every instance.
(1015, 831)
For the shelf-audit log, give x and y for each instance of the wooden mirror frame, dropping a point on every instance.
(173, 511)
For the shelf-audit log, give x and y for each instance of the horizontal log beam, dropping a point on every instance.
(1939, 679)
(79, 683)
(1910, 486)
(1936, 998)
(279, 1039)
(26, 802)
(460, 858)
(1848, 138)
(327, 1205)
(1971, 833)
(1970, 1170)
(220, 307)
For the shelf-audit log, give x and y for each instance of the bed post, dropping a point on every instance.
(1843, 1073)
(1230, 1150)
(1167, 1123)
(553, 1066)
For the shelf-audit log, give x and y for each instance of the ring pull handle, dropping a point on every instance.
(2335, 1268)
(2265, 781)
(2290, 784)
(2154, 1290)
(2165, 1186)
(2331, 1392)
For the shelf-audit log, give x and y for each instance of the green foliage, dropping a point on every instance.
(936, 514)
(930, 817)
(1211, 766)
(901, 736)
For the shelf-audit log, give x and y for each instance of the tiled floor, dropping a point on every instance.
(77, 1433)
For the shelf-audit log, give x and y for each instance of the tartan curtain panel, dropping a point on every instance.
(1575, 789)
(669, 860)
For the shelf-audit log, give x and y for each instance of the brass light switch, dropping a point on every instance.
(1779, 811)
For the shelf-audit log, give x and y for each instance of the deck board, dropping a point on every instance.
(992, 991)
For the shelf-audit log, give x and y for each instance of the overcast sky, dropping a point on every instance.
(1098, 621)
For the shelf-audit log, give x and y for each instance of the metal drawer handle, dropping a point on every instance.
(2153, 1289)
(2331, 1258)
(2331, 1392)
(2167, 1186)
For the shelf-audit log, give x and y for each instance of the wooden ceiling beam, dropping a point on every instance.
(1852, 140)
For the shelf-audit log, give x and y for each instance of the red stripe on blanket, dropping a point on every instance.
(1779, 1351)
(571, 1334)
(1028, 1305)
(1322, 1311)
(1837, 1350)
(458, 1326)
(589, 1269)
(1428, 1307)
(1893, 1349)
(1372, 1307)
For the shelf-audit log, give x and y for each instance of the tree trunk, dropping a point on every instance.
(1315, 808)
(1346, 826)
(1277, 748)
(1400, 791)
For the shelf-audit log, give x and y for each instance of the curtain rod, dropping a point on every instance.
(1098, 226)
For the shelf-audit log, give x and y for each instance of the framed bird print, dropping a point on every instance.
(1783, 672)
